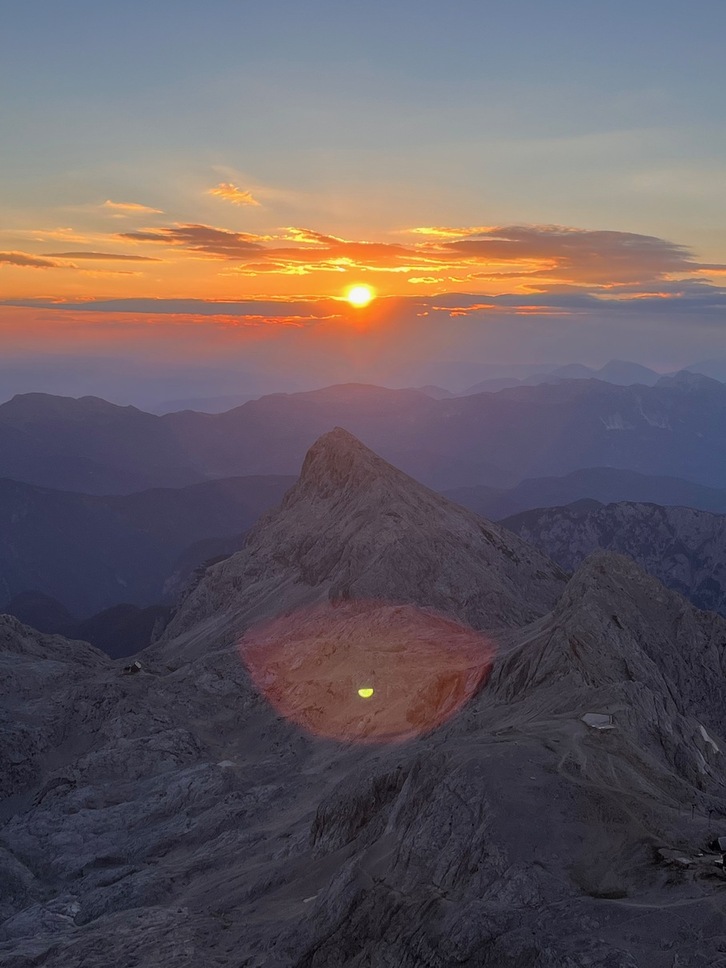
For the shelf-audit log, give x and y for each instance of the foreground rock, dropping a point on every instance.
(171, 818)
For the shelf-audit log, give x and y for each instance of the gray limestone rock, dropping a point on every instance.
(355, 527)
(173, 818)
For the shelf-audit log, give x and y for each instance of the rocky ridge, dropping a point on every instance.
(171, 817)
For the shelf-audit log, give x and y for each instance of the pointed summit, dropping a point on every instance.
(337, 461)
(356, 527)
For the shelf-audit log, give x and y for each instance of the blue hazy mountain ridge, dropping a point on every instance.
(177, 819)
(606, 485)
(146, 384)
(620, 372)
(120, 630)
(155, 385)
(90, 552)
(681, 547)
(676, 428)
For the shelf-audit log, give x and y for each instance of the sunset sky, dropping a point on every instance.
(518, 181)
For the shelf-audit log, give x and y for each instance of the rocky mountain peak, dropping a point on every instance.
(355, 527)
(338, 461)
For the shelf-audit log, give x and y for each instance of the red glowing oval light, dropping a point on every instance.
(367, 672)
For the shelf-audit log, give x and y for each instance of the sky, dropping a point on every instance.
(516, 182)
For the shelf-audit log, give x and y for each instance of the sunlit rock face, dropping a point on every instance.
(354, 527)
(367, 672)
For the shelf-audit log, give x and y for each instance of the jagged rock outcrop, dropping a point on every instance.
(621, 641)
(355, 527)
(39, 676)
(682, 547)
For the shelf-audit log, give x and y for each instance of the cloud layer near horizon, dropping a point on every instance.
(498, 291)
(535, 256)
(514, 259)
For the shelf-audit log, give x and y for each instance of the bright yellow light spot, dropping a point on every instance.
(359, 296)
(365, 693)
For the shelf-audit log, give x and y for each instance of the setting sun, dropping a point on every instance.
(359, 295)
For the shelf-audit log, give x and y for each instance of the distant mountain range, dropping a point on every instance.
(118, 631)
(604, 484)
(676, 428)
(619, 372)
(65, 555)
(682, 547)
(91, 552)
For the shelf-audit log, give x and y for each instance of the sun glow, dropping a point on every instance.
(359, 296)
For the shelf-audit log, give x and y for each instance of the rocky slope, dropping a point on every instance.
(684, 548)
(355, 527)
(174, 818)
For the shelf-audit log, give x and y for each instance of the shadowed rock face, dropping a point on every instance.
(172, 818)
(682, 547)
(356, 527)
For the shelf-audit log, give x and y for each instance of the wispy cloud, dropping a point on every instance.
(696, 296)
(231, 193)
(447, 232)
(131, 207)
(202, 238)
(65, 235)
(102, 256)
(26, 260)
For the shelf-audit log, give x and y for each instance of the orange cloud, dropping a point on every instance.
(445, 232)
(576, 255)
(64, 235)
(131, 207)
(25, 260)
(115, 256)
(231, 193)
(554, 255)
(202, 238)
(195, 259)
